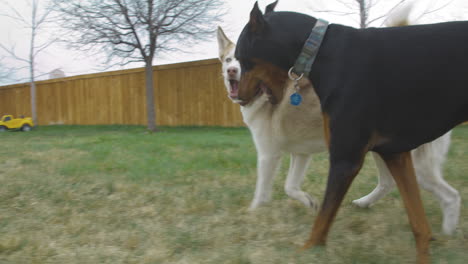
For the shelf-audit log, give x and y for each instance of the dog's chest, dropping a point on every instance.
(299, 128)
(284, 127)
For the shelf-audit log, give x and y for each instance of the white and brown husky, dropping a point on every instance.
(298, 130)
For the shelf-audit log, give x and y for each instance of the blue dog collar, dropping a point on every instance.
(309, 51)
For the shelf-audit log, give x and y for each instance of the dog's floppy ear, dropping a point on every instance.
(256, 22)
(223, 43)
(271, 7)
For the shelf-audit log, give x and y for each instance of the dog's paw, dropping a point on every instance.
(312, 203)
(252, 208)
(255, 205)
(363, 203)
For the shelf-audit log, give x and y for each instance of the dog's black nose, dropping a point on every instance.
(232, 71)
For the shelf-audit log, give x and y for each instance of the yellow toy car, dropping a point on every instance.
(8, 123)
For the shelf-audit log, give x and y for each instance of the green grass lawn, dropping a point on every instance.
(117, 194)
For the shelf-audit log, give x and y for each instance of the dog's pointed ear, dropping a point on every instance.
(223, 43)
(271, 7)
(256, 22)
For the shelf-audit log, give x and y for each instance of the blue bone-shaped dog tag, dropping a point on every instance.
(295, 99)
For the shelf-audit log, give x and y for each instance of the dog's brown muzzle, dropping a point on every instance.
(249, 87)
(264, 77)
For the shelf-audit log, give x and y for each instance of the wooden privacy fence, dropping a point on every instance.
(190, 93)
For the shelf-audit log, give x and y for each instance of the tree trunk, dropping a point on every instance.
(150, 108)
(32, 84)
(363, 13)
(32, 75)
(31, 63)
(33, 102)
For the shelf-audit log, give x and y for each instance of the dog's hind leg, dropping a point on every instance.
(385, 185)
(448, 197)
(267, 166)
(401, 168)
(428, 160)
(297, 169)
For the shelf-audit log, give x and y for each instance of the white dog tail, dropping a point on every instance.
(399, 16)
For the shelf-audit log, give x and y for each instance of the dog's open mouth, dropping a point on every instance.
(234, 91)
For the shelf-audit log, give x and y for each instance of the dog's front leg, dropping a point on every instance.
(267, 166)
(345, 162)
(297, 169)
(401, 167)
(341, 175)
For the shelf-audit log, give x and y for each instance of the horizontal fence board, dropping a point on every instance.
(186, 94)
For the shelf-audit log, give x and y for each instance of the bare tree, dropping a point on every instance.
(370, 12)
(34, 21)
(5, 72)
(129, 31)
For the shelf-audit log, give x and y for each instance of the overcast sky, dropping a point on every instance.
(73, 63)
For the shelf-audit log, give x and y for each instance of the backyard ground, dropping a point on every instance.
(117, 194)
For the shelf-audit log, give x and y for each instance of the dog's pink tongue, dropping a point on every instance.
(234, 88)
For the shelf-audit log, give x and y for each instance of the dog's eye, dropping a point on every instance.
(228, 60)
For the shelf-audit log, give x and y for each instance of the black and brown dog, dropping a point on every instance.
(386, 90)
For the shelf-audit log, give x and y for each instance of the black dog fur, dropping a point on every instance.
(386, 90)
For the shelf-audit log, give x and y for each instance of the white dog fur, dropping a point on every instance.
(298, 130)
